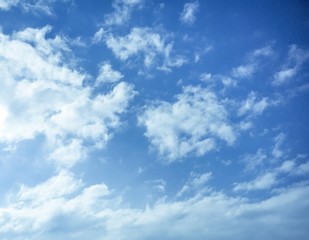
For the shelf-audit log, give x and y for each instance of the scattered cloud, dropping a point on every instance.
(192, 124)
(195, 183)
(65, 204)
(296, 58)
(122, 11)
(45, 7)
(188, 14)
(107, 74)
(143, 43)
(264, 181)
(43, 94)
(7, 4)
(243, 71)
(254, 107)
(277, 151)
(252, 161)
(266, 51)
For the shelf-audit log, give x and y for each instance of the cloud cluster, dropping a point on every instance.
(143, 43)
(41, 95)
(40, 6)
(63, 206)
(192, 124)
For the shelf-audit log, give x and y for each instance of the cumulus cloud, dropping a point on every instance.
(192, 124)
(66, 204)
(107, 74)
(42, 94)
(143, 43)
(296, 58)
(188, 14)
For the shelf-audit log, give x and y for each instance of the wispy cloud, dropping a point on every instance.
(188, 14)
(40, 6)
(122, 11)
(151, 45)
(296, 58)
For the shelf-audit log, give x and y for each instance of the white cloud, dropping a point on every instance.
(244, 71)
(253, 106)
(145, 43)
(188, 14)
(40, 6)
(266, 51)
(107, 74)
(192, 124)
(63, 203)
(277, 152)
(41, 93)
(296, 58)
(196, 183)
(7, 4)
(265, 181)
(68, 155)
(122, 11)
(252, 161)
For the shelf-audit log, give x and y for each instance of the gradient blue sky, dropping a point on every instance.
(148, 119)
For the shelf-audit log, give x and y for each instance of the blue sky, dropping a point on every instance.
(146, 119)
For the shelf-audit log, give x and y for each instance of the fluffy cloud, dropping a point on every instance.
(7, 4)
(64, 204)
(188, 14)
(192, 124)
(107, 74)
(41, 95)
(145, 43)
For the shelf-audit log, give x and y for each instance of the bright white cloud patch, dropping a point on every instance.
(107, 74)
(63, 203)
(192, 124)
(188, 14)
(146, 43)
(7, 4)
(40, 94)
(265, 181)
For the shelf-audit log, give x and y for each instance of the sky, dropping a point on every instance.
(150, 119)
